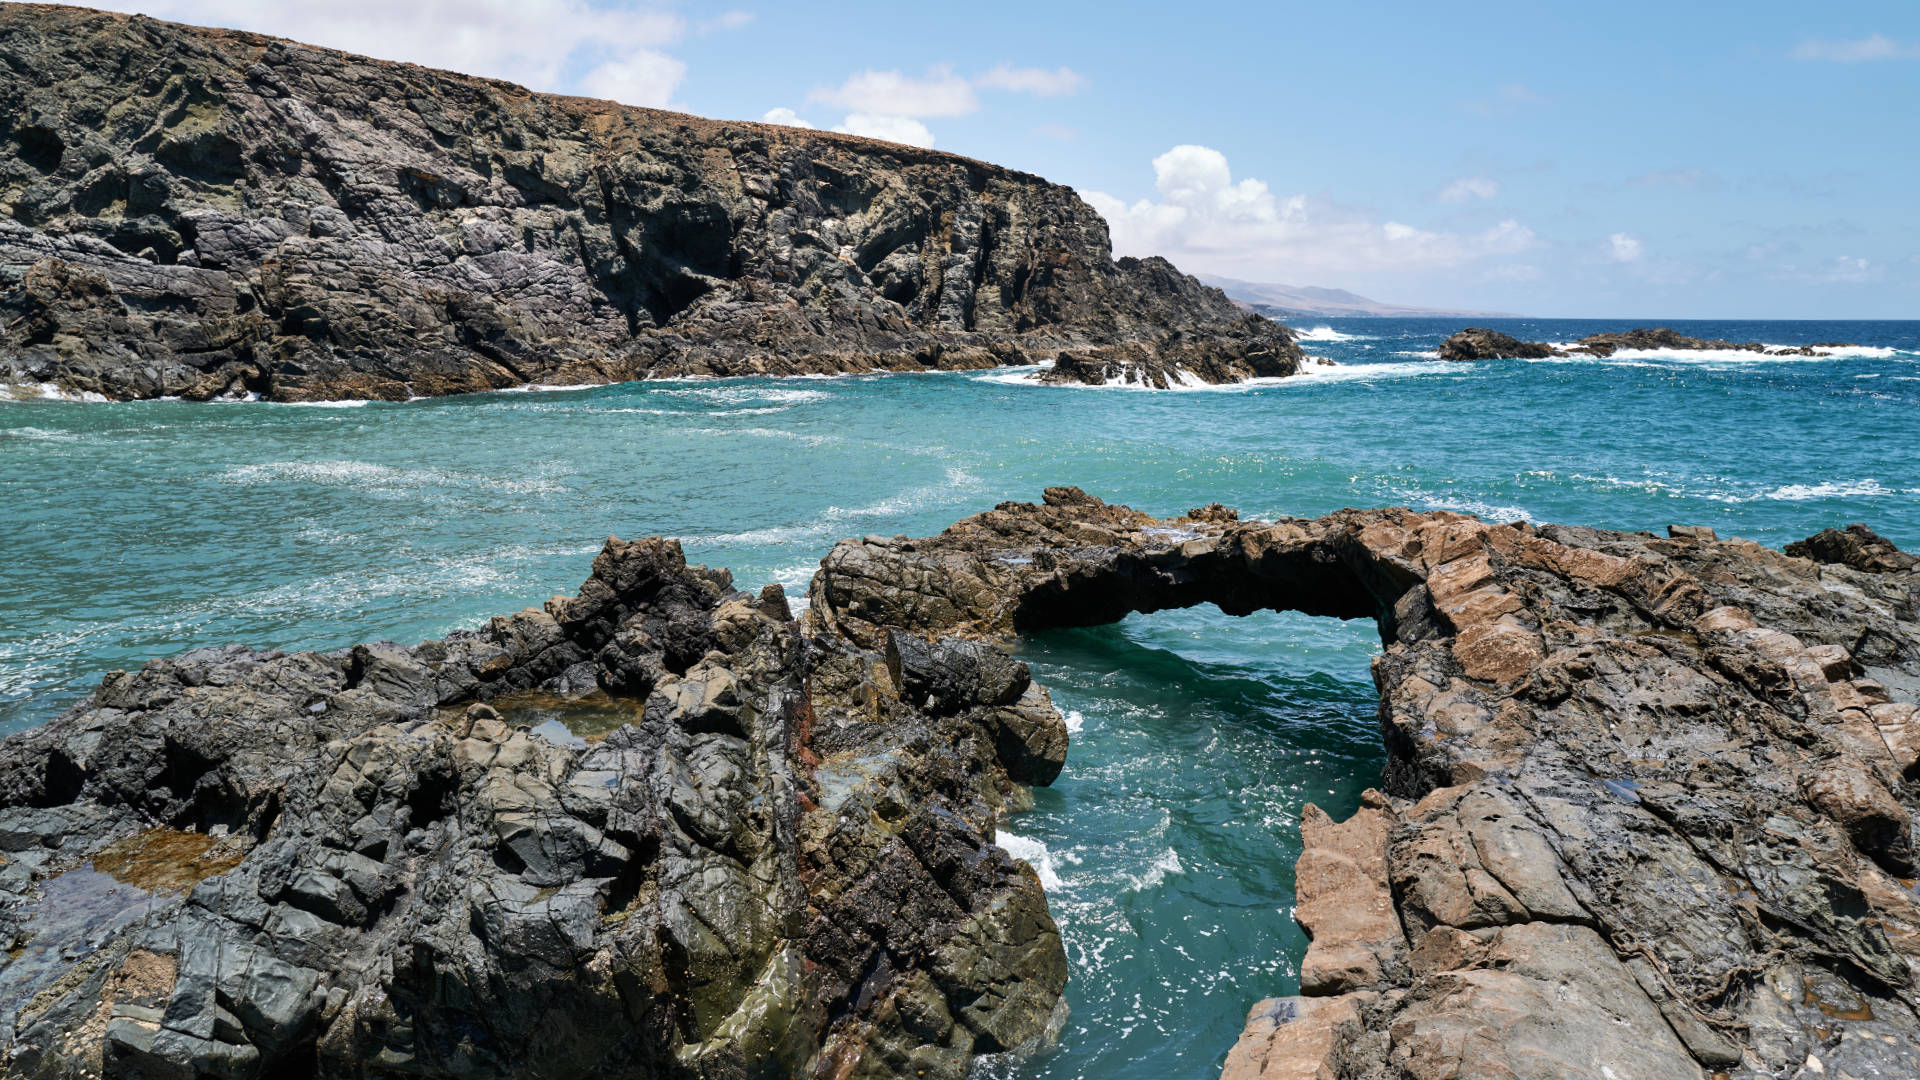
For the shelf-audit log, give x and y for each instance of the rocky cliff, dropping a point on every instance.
(206, 213)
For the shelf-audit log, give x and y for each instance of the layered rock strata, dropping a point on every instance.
(656, 829)
(1648, 807)
(1479, 343)
(208, 213)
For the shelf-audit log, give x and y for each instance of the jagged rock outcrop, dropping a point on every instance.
(656, 829)
(1648, 811)
(1182, 361)
(204, 213)
(1479, 343)
(1856, 546)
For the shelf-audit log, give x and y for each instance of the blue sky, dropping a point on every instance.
(1667, 159)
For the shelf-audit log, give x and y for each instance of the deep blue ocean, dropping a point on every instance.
(135, 530)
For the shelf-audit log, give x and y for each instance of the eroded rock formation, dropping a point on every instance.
(1479, 343)
(203, 213)
(1648, 808)
(688, 837)
(1647, 814)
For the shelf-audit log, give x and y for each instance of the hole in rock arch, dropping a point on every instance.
(1167, 845)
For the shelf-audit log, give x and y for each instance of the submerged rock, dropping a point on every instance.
(210, 213)
(1476, 343)
(1649, 804)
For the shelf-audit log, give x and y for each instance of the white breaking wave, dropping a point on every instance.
(1329, 372)
(1639, 357)
(46, 392)
(778, 395)
(546, 388)
(40, 434)
(1481, 509)
(959, 484)
(1075, 722)
(767, 433)
(370, 476)
(1828, 489)
(1167, 862)
(1035, 854)
(1327, 333)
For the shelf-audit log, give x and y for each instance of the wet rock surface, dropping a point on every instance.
(1648, 807)
(658, 828)
(1479, 343)
(208, 213)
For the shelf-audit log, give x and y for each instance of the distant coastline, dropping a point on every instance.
(1309, 301)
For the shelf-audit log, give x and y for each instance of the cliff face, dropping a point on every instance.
(202, 212)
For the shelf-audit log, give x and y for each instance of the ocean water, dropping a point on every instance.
(134, 530)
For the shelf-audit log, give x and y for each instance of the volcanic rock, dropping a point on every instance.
(210, 213)
(391, 861)
(1480, 344)
(1856, 546)
(1647, 813)
(1648, 809)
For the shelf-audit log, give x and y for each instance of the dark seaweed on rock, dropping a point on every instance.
(200, 213)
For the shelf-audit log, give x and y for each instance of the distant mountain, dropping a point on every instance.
(1279, 301)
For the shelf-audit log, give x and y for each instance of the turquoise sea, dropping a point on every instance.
(134, 530)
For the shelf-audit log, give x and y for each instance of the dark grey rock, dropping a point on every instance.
(208, 213)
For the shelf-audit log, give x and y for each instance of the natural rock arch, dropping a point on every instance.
(1617, 766)
(1647, 810)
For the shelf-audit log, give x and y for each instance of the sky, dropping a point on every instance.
(1749, 160)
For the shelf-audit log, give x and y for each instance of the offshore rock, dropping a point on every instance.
(1856, 546)
(209, 213)
(444, 861)
(1648, 811)
(1479, 343)
(1476, 343)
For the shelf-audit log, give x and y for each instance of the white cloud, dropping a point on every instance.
(1846, 270)
(889, 93)
(1207, 221)
(643, 78)
(1468, 188)
(1871, 47)
(900, 129)
(784, 116)
(532, 42)
(727, 20)
(1041, 82)
(1625, 247)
